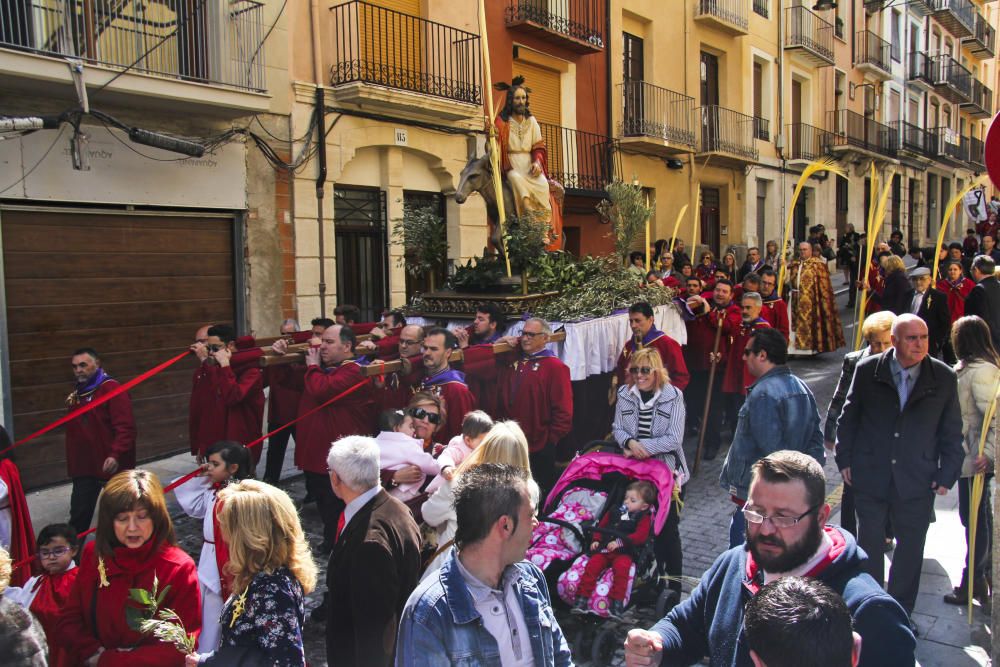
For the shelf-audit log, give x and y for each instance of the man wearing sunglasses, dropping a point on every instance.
(443, 380)
(645, 334)
(779, 412)
(787, 536)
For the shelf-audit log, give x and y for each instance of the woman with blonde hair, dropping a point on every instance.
(649, 423)
(272, 570)
(134, 548)
(896, 285)
(506, 444)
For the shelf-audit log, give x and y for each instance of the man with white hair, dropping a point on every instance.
(375, 562)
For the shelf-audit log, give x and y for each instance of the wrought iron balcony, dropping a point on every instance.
(727, 134)
(980, 104)
(977, 155)
(761, 128)
(983, 40)
(809, 35)
(761, 9)
(581, 161)
(730, 16)
(951, 80)
(572, 24)
(808, 143)
(872, 54)
(854, 131)
(957, 16)
(381, 47)
(920, 70)
(914, 140)
(218, 42)
(655, 120)
(949, 146)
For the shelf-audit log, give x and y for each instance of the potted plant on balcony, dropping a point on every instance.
(422, 233)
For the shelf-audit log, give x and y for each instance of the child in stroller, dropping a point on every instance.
(617, 538)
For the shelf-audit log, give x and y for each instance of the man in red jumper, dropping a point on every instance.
(231, 389)
(645, 334)
(98, 443)
(330, 370)
(445, 381)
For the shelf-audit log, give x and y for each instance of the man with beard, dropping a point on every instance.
(775, 310)
(780, 411)
(899, 442)
(787, 535)
(523, 160)
(816, 321)
(486, 329)
(446, 382)
(645, 334)
(99, 443)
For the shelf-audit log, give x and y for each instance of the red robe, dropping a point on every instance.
(458, 402)
(86, 624)
(399, 387)
(234, 408)
(775, 312)
(701, 335)
(737, 378)
(53, 592)
(672, 281)
(535, 391)
(671, 355)
(107, 430)
(957, 294)
(283, 401)
(22, 535)
(353, 414)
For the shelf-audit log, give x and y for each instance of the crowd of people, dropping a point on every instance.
(428, 476)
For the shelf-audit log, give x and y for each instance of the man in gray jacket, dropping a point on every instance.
(779, 413)
(899, 442)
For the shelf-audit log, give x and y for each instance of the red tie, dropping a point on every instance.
(340, 527)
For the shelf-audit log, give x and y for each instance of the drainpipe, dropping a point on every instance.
(697, 119)
(781, 121)
(321, 142)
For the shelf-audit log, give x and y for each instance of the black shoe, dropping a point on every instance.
(581, 606)
(617, 609)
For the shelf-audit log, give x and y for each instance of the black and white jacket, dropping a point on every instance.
(667, 427)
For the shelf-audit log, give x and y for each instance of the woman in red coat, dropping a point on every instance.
(957, 287)
(134, 544)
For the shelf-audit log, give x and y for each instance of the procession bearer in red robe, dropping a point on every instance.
(100, 442)
(645, 334)
(446, 382)
(737, 378)
(775, 309)
(486, 329)
(231, 384)
(16, 534)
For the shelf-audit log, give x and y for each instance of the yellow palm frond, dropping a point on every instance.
(813, 168)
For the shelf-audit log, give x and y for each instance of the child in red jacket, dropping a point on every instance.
(608, 551)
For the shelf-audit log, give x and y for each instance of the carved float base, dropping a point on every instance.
(445, 303)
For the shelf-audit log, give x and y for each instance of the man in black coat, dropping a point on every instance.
(930, 305)
(899, 442)
(375, 562)
(984, 299)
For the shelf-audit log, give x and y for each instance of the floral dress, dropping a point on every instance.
(267, 628)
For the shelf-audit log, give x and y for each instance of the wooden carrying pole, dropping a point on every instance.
(708, 393)
(377, 367)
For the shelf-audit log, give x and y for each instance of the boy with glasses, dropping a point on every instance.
(787, 536)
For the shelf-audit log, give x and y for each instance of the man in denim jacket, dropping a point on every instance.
(779, 413)
(486, 606)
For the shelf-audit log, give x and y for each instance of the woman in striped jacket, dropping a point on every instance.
(649, 423)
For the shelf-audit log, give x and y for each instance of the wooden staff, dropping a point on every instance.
(708, 393)
(378, 367)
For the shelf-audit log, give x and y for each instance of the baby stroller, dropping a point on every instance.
(593, 485)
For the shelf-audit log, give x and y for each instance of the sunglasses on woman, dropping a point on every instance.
(420, 413)
(643, 370)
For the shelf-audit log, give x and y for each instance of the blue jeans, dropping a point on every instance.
(737, 529)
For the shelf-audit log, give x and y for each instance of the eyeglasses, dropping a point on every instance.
(777, 521)
(643, 370)
(420, 413)
(403, 341)
(58, 552)
(533, 334)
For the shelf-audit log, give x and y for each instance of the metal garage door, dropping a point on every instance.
(134, 287)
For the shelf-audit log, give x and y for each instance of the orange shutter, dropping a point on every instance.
(391, 42)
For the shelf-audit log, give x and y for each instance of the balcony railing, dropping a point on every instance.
(384, 47)
(977, 155)
(952, 80)
(861, 132)
(920, 69)
(219, 42)
(983, 40)
(651, 111)
(872, 50)
(732, 14)
(980, 102)
(570, 22)
(957, 16)
(761, 128)
(728, 132)
(949, 145)
(761, 9)
(579, 160)
(912, 138)
(806, 142)
(809, 33)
